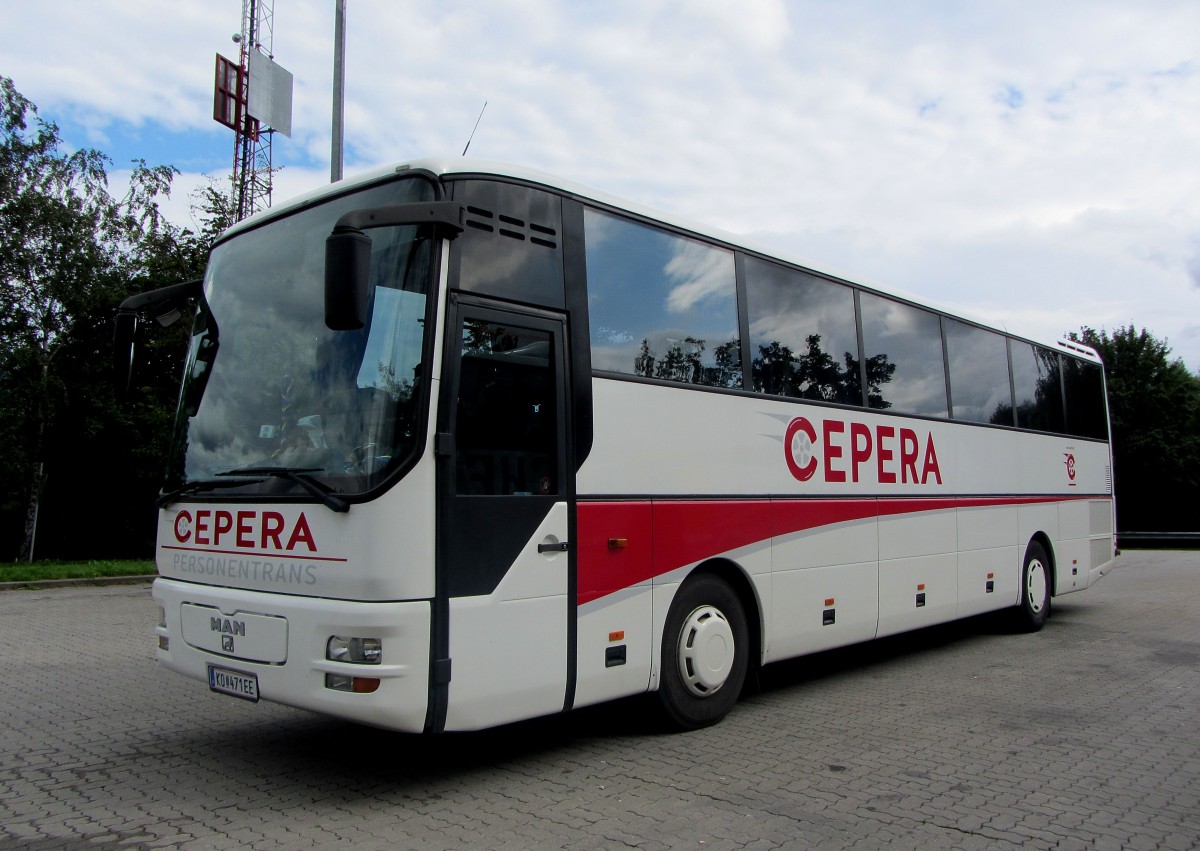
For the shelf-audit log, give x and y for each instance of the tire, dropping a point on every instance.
(705, 654)
(1034, 607)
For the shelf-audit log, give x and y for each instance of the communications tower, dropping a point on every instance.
(254, 99)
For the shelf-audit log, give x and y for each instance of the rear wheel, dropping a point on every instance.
(705, 654)
(1034, 607)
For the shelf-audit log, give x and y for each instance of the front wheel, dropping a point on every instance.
(1034, 607)
(705, 654)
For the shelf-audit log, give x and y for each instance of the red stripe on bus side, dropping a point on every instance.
(622, 544)
(613, 547)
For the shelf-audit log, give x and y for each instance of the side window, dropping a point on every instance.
(660, 305)
(803, 339)
(979, 388)
(903, 348)
(1084, 384)
(1038, 383)
(506, 435)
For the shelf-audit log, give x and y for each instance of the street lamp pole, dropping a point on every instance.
(339, 90)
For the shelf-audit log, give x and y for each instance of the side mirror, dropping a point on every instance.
(125, 326)
(165, 305)
(347, 278)
(348, 254)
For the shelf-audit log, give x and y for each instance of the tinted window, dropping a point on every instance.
(979, 388)
(904, 365)
(1086, 415)
(660, 305)
(511, 246)
(1038, 385)
(802, 335)
(506, 436)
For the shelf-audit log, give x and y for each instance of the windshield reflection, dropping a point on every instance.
(282, 391)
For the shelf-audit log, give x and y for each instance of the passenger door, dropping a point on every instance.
(505, 563)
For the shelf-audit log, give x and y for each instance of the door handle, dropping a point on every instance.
(560, 547)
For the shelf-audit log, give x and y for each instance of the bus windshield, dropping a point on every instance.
(270, 394)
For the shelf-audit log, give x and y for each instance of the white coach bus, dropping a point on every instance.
(460, 444)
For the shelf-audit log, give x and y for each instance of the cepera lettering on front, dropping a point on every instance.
(842, 451)
(246, 529)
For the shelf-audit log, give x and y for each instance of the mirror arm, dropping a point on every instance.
(447, 214)
(162, 296)
(129, 316)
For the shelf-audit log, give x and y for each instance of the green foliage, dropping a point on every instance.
(817, 374)
(85, 468)
(1154, 407)
(103, 569)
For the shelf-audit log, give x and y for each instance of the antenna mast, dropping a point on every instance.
(253, 98)
(473, 129)
(252, 145)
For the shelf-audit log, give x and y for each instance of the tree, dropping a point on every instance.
(69, 252)
(819, 373)
(1154, 409)
(682, 361)
(775, 370)
(727, 368)
(643, 364)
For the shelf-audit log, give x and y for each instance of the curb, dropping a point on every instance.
(35, 584)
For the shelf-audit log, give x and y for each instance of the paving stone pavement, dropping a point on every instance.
(1083, 736)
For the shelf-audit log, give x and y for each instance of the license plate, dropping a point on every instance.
(234, 683)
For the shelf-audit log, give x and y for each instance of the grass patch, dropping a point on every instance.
(41, 570)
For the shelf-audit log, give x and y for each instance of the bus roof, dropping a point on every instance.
(464, 166)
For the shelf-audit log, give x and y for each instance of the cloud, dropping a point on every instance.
(1193, 264)
(1028, 161)
(1011, 96)
(697, 273)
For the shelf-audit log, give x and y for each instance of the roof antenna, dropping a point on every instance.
(473, 129)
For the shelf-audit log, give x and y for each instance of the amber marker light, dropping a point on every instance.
(356, 685)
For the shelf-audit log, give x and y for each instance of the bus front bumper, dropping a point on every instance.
(276, 647)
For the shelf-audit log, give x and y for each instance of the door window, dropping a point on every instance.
(507, 412)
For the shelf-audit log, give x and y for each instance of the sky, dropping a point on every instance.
(1030, 163)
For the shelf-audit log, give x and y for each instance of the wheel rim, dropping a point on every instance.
(706, 651)
(1035, 585)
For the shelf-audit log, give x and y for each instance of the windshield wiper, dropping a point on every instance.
(300, 477)
(199, 485)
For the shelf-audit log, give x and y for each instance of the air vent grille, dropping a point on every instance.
(511, 227)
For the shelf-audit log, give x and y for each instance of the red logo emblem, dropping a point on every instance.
(798, 448)
(1070, 463)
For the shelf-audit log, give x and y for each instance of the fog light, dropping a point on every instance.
(358, 651)
(162, 617)
(164, 643)
(358, 685)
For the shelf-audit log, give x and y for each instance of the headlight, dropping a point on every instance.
(357, 651)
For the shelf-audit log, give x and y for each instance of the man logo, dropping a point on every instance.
(227, 643)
